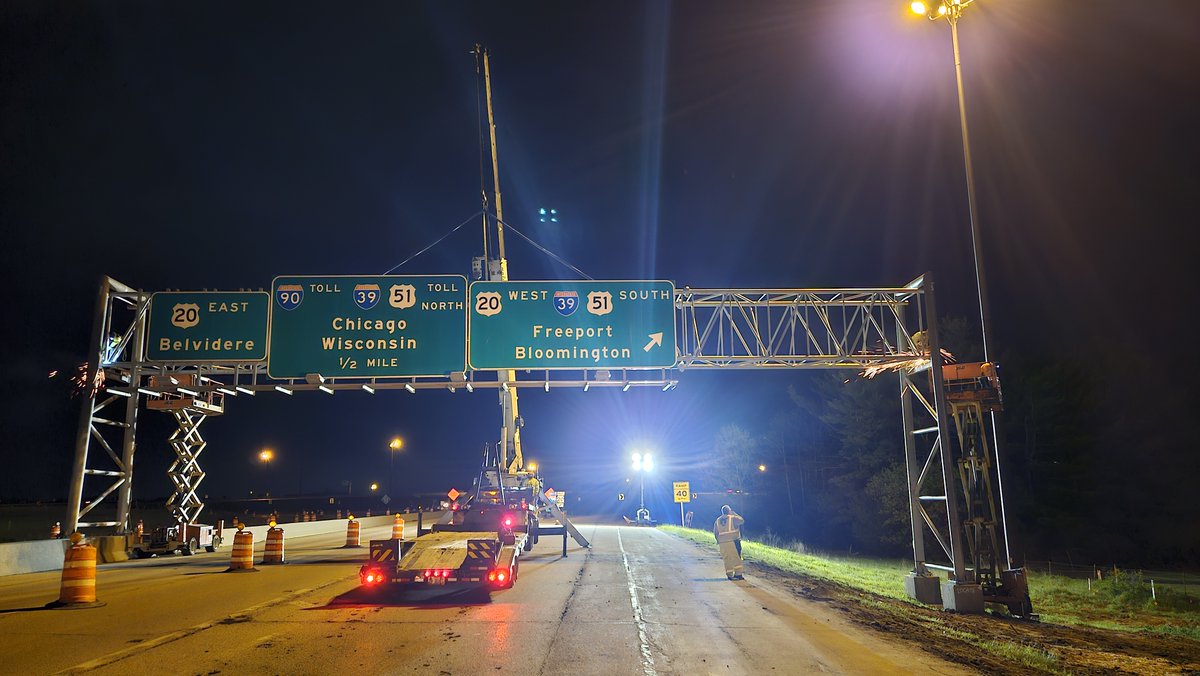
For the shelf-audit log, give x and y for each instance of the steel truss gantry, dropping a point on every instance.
(871, 330)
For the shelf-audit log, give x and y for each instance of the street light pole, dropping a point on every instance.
(642, 463)
(396, 444)
(953, 15)
(642, 499)
(952, 11)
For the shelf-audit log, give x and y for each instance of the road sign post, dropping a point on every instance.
(367, 327)
(683, 493)
(572, 325)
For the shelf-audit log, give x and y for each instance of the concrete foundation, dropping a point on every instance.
(962, 597)
(924, 588)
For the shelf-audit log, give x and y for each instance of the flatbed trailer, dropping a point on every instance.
(482, 542)
(447, 556)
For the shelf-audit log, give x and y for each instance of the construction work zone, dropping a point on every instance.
(954, 481)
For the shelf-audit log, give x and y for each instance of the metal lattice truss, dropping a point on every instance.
(867, 329)
(802, 328)
(116, 337)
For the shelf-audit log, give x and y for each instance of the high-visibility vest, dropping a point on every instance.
(727, 528)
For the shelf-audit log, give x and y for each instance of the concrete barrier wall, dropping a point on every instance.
(111, 548)
(40, 555)
(32, 556)
(299, 530)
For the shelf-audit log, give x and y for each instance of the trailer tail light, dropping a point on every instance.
(370, 576)
(498, 577)
(509, 520)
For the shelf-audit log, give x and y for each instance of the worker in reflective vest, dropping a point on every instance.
(728, 530)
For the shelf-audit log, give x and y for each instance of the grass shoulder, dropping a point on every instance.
(1145, 632)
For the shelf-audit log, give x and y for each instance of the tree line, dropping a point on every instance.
(1090, 470)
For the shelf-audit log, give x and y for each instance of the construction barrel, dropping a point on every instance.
(78, 588)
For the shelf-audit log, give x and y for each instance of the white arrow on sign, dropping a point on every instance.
(655, 339)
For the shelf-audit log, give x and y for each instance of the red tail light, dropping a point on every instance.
(509, 520)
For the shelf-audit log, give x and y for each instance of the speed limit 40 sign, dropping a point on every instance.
(683, 491)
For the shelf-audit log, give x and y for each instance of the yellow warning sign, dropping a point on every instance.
(453, 494)
(683, 491)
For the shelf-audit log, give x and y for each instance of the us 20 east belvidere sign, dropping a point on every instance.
(572, 325)
(199, 326)
(387, 326)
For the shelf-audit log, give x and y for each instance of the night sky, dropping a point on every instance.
(715, 144)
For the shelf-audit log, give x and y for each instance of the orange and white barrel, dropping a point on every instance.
(78, 587)
(140, 530)
(398, 528)
(273, 553)
(56, 531)
(352, 532)
(242, 558)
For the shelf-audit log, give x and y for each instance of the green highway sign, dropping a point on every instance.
(388, 326)
(572, 325)
(198, 326)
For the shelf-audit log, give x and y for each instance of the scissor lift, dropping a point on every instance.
(190, 408)
(973, 389)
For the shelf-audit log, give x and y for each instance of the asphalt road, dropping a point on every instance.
(638, 602)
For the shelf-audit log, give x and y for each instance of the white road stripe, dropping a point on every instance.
(643, 639)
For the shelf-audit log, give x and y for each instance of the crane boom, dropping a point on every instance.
(510, 432)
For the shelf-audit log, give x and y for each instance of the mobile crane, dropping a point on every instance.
(480, 547)
(483, 542)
